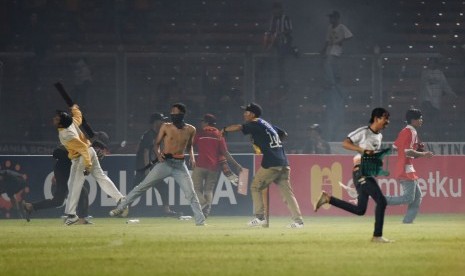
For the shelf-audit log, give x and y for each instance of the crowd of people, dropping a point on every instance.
(162, 152)
(162, 148)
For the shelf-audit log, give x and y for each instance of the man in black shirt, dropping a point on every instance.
(61, 172)
(274, 168)
(145, 159)
(12, 183)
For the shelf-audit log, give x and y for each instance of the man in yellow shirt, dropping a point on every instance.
(83, 158)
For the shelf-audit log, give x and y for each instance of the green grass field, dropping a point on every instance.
(434, 245)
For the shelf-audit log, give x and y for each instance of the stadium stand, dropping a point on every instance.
(209, 54)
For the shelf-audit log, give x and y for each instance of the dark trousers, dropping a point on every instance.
(366, 186)
(161, 186)
(61, 172)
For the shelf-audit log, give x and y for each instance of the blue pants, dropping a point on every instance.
(178, 170)
(411, 196)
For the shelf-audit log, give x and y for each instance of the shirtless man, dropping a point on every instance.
(176, 137)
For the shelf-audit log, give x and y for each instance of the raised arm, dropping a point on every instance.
(77, 114)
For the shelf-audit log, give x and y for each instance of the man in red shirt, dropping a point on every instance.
(409, 147)
(211, 160)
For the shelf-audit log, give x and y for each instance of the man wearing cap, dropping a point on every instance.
(408, 148)
(274, 167)
(211, 159)
(336, 34)
(145, 159)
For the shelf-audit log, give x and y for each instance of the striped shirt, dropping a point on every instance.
(280, 24)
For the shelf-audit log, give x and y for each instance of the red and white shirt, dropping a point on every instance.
(407, 139)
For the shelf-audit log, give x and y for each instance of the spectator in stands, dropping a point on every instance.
(82, 81)
(336, 34)
(433, 86)
(315, 144)
(279, 37)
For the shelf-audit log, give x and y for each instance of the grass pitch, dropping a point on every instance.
(434, 245)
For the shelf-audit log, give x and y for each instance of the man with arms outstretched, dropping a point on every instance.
(176, 137)
(274, 167)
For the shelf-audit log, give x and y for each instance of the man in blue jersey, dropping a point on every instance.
(274, 168)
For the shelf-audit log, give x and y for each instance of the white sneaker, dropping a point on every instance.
(296, 225)
(256, 222)
(116, 212)
(70, 220)
(122, 213)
